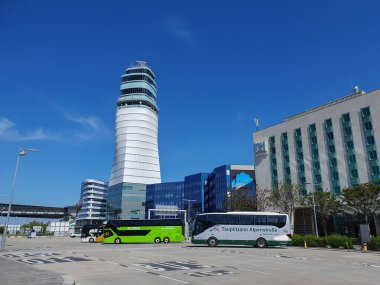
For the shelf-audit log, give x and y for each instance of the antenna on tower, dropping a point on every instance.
(141, 63)
(257, 122)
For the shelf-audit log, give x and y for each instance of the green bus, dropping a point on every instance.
(140, 231)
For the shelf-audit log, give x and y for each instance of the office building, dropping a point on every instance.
(165, 196)
(327, 148)
(93, 201)
(201, 192)
(227, 178)
(136, 160)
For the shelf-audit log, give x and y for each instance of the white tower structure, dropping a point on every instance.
(136, 161)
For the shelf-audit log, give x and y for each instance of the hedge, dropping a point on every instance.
(334, 241)
(374, 243)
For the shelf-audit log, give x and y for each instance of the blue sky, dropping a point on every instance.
(218, 65)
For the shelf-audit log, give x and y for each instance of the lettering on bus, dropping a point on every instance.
(251, 229)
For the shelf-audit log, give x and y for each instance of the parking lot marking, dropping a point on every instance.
(167, 277)
(261, 272)
(138, 258)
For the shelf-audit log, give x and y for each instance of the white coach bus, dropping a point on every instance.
(260, 229)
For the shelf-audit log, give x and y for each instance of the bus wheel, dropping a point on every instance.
(261, 243)
(117, 240)
(212, 242)
(166, 240)
(91, 240)
(157, 240)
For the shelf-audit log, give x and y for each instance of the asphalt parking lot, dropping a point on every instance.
(184, 263)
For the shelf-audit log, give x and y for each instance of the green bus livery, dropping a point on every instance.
(144, 231)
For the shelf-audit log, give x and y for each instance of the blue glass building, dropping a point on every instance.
(201, 192)
(194, 193)
(165, 196)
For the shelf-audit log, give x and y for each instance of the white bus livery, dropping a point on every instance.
(260, 229)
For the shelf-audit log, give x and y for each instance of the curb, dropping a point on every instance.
(68, 280)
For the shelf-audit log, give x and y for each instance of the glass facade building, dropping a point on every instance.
(194, 193)
(165, 196)
(136, 160)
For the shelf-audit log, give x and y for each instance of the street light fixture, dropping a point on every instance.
(21, 152)
(315, 213)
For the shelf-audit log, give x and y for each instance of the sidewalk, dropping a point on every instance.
(15, 272)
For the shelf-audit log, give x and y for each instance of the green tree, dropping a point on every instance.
(239, 199)
(285, 198)
(362, 199)
(326, 206)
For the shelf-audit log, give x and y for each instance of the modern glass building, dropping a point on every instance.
(194, 193)
(93, 200)
(227, 178)
(136, 160)
(167, 196)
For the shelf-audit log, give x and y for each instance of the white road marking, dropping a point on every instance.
(262, 272)
(132, 257)
(173, 279)
(111, 262)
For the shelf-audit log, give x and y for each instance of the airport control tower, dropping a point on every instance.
(136, 162)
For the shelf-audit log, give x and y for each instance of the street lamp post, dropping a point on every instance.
(21, 152)
(189, 207)
(315, 213)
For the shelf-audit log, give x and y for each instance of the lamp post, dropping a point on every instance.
(189, 207)
(21, 152)
(315, 213)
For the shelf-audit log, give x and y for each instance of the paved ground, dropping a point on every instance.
(186, 264)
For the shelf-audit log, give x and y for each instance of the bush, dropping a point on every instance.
(374, 243)
(322, 242)
(297, 240)
(312, 241)
(355, 241)
(337, 241)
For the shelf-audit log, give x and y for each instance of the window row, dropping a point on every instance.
(139, 77)
(137, 90)
(140, 70)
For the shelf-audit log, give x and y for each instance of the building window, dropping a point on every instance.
(328, 123)
(332, 149)
(366, 112)
(370, 140)
(375, 170)
(373, 155)
(312, 128)
(354, 173)
(347, 131)
(302, 168)
(315, 153)
(318, 179)
(352, 159)
(298, 133)
(299, 144)
(330, 135)
(333, 162)
(300, 156)
(368, 126)
(350, 145)
(346, 117)
(335, 175)
(316, 165)
(285, 136)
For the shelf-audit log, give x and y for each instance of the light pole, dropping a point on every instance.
(315, 213)
(189, 207)
(21, 152)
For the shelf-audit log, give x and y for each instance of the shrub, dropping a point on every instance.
(374, 243)
(312, 241)
(337, 241)
(322, 242)
(297, 240)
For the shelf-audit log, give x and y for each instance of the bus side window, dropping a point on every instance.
(229, 219)
(261, 220)
(212, 220)
(246, 219)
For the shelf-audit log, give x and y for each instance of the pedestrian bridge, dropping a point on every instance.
(46, 212)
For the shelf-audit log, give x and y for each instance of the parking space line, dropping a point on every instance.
(138, 258)
(167, 277)
(261, 272)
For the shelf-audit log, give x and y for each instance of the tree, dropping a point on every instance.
(363, 199)
(262, 199)
(285, 198)
(239, 199)
(326, 206)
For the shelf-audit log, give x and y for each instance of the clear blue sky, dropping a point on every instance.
(218, 65)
